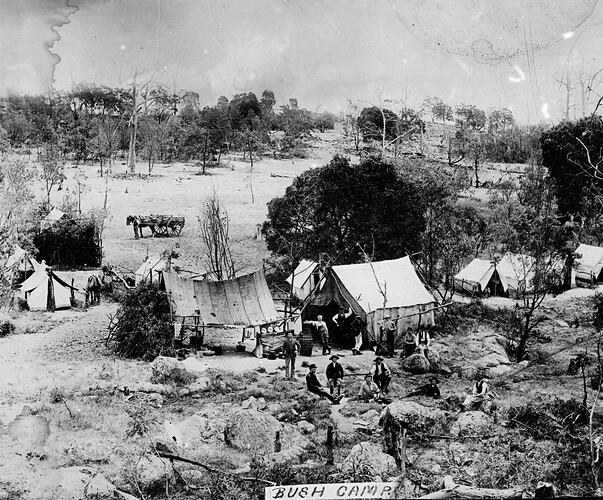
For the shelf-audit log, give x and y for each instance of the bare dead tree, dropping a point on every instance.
(214, 224)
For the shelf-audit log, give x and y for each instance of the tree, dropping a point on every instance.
(378, 124)
(215, 224)
(468, 115)
(267, 102)
(351, 124)
(438, 108)
(340, 208)
(572, 152)
(324, 121)
(52, 169)
(500, 120)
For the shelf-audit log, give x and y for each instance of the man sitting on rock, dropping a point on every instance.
(382, 375)
(315, 387)
(430, 390)
(480, 395)
(410, 343)
(369, 391)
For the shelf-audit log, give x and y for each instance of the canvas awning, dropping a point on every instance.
(241, 301)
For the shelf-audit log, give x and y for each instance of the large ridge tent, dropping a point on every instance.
(242, 301)
(45, 291)
(517, 270)
(589, 263)
(481, 276)
(372, 290)
(305, 278)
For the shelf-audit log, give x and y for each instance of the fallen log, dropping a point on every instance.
(280, 175)
(452, 490)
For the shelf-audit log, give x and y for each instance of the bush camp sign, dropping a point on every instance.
(335, 491)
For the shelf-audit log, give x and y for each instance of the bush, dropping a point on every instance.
(176, 375)
(70, 243)
(144, 329)
(6, 327)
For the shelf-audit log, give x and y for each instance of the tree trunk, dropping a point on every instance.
(476, 168)
(133, 132)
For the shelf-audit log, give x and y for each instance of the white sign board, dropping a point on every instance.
(335, 491)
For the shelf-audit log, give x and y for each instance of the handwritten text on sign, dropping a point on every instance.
(334, 491)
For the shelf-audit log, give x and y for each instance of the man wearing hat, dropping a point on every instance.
(388, 330)
(334, 375)
(430, 390)
(382, 375)
(290, 349)
(315, 387)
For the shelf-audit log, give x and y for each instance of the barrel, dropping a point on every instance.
(306, 341)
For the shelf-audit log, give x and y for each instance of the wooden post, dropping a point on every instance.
(403, 460)
(330, 458)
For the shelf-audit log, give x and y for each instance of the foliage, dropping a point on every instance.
(470, 116)
(324, 121)
(340, 209)
(70, 243)
(144, 329)
(7, 327)
(373, 121)
(177, 376)
(572, 153)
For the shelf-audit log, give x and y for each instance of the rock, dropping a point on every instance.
(306, 427)
(162, 366)
(195, 365)
(372, 418)
(416, 364)
(293, 445)
(411, 416)
(152, 473)
(275, 408)
(499, 370)
(4, 495)
(194, 476)
(155, 398)
(492, 360)
(87, 450)
(368, 459)
(29, 433)
(561, 323)
(199, 385)
(472, 422)
(75, 483)
(250, 402)
(468, 372)
(252, 431)
(430, 461)
(434, 359)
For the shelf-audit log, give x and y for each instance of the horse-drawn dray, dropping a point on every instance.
(160, 225)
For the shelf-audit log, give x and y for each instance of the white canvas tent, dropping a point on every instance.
(151, 268)
(590, 263)
(305, 278)
(480, 276)
(517, 270)
(45, 291)
(362, 287)
(19, 265)
(54, 216)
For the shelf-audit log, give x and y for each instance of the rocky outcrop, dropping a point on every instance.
(416, 364)
(367, 459)
(472, 423)
(152, 473)
(252, 431)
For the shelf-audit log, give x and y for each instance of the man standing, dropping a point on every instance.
(315, 387)
(382, 375)
(340, 322)
(290, 349)
(334, 375)
(388, 330)
(323, 332)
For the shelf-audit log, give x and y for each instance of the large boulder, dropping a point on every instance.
(366, 459)
(293, 445)
(412, 416)
(434, 359)
(76, 483)
(152, 473)
(492, 360)
(472, 422)
(416, 364)
(252, 431)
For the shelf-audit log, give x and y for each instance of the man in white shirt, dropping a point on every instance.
(323, 332)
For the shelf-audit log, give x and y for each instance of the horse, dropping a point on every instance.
(93, 289)
(138, 224)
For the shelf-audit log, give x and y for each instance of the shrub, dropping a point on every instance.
(70, 243)
(176, 375)
(57, 395)
(144, 329)
(6, 327)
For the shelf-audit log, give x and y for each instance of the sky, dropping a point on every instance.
(493, 54)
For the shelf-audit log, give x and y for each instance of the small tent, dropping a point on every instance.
(589, 263)
(19, 266)
(151, 268)
(479, 277)
(373, 290)
(55, 215)
(517, 270)
(45, 291)
(305, 278)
